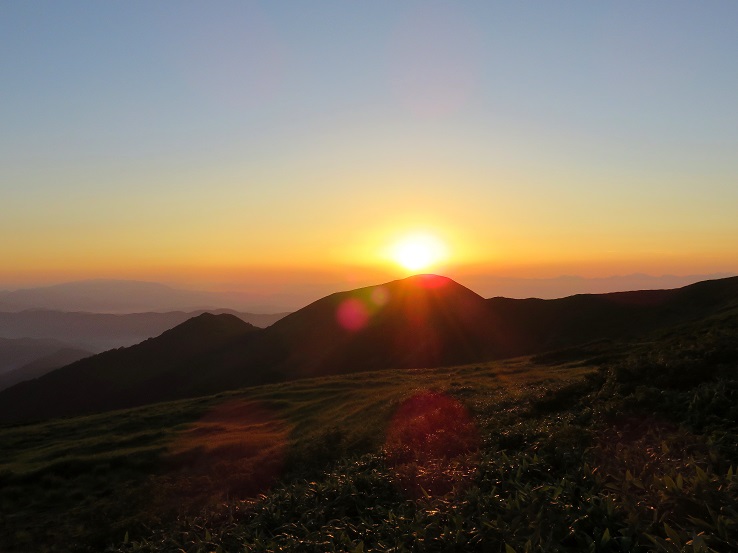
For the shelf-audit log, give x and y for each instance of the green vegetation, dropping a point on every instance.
(580, 451)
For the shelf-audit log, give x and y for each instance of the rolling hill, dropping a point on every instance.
(41, 366)
(425, 320)
(98, 332)
(147, 372)
(429, 321)
(536, 325)
(421, 321)
(18, 352)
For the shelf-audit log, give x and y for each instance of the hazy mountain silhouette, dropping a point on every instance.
(41, 366)
(567, 285)
(118, 296)
(147, 372)
(98, 332)
(420, 321)
(15, 353)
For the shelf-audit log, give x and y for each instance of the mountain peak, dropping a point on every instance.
(430, 286)
(429, 280)
(421, 284)
(209, 324)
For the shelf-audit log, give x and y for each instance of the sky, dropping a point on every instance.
(268, 146)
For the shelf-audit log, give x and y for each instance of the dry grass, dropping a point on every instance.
(82, 483)
(237, 448)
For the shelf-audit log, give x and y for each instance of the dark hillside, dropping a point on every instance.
(421, 321)
(428, 321)
(561, 456)
(535, 325)
(17, 352)
(151, 371)
(41, 366)
(425, 320)
(98, 332)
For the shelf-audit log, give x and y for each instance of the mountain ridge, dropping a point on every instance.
(15, 352)
(117, 296)
(421, 321)
(123, 377)
(42, 365)
(98, 332)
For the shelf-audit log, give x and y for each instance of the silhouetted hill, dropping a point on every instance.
(568, 285)
(41, 366)
(17, 352)
(535, 325)
(147, 372)
(98, 332)
(421, 321)
(425, 320)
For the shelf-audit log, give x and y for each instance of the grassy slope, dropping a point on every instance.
(99, 471)
(581, 451)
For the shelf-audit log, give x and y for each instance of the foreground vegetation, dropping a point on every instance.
(602, 448)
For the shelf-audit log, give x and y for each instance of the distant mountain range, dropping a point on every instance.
(567, 285)
(98, 332)
(132, 296)
(420, 321)
(41, 364)
(18, 352)
(35, 342)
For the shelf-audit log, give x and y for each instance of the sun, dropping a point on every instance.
(418, 251)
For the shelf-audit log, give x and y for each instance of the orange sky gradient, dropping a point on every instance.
(263, 147)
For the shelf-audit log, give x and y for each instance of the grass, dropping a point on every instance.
(86, 481)
(580, 451)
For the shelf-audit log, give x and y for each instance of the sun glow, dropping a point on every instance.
(419, 251)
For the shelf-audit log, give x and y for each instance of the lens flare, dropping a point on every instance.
(352, 314)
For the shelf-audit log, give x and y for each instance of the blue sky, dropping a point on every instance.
(157, 139)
